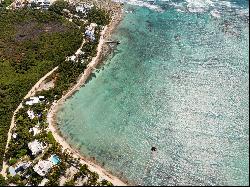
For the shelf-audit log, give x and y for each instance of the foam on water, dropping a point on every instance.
(215, 13)
(194, 6)
(215, 7)
(141, 3)
(178, 81)
(198, 5)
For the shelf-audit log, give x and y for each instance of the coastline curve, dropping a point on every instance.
(104, 174)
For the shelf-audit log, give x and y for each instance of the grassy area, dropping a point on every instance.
(5, 3)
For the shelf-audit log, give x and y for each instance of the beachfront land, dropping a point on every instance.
(37, 37)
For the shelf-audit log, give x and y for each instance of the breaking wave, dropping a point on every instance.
(148, 4)
(214, 7)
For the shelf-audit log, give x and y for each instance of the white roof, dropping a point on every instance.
(12, 184)
(31, 114)
(79, 51)
(80, 9)
(35, 130)
(36, 147)
(42, 167)
(29, 103)
(14, 135)
(65, 10)
(33, 100)
(24, 165)
(93, 25)
(90, 28)
(43, 182)
(73, 58)
(36, 100)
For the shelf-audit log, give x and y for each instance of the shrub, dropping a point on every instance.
(2, 181)
(12, 161)
(58, 6)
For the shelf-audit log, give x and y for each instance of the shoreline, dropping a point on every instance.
(102, 50)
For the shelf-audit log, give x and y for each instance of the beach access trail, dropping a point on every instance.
(30, 93)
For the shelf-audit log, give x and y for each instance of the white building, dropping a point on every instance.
(44, 4)
(80, 8)
(22, 166)
(83, 8)
(71, 58)
(43, 182)
(43, 167)
(14, 135)
(90, 31)
(36, 147)
(31, 114)
(79, 52)
(41, 97)
(35, 130)
(34, 100)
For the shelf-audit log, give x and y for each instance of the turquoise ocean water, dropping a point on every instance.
(178, 81)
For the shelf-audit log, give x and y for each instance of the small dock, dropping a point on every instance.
(113, 42)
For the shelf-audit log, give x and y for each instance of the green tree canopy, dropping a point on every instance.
(58, 6)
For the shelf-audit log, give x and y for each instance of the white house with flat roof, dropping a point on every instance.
(34, 100)
(71, 58)
(43, 167)
(90, 31)
(44, 4)
(14, 135)
(22, 166)
(31, 114)
(19, 167)
(83, 8)
(35, 130)
(36, 147)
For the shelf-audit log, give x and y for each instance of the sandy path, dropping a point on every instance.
(30, 93)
